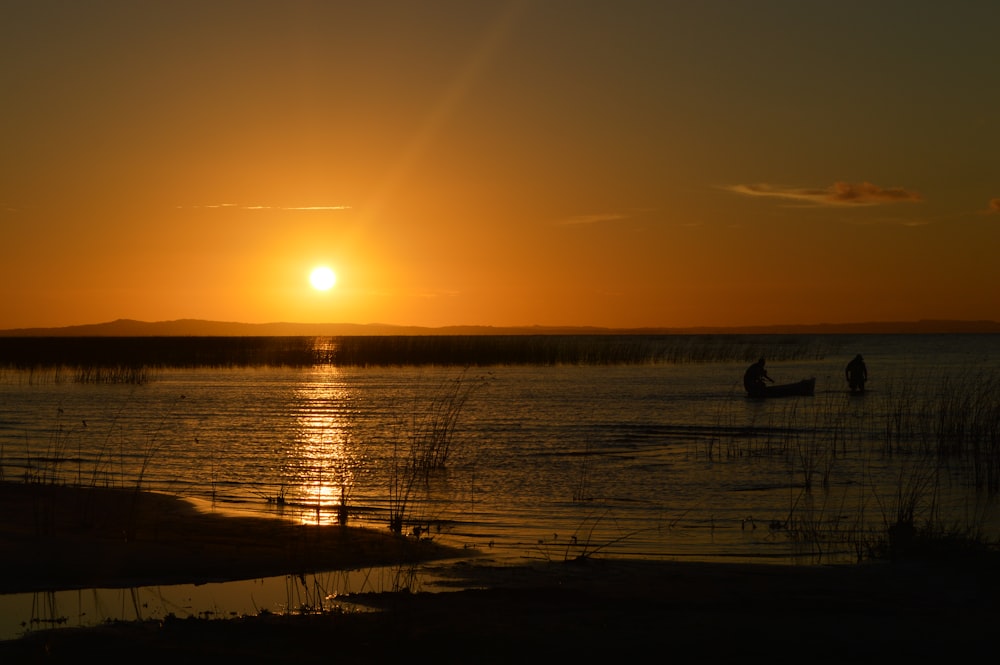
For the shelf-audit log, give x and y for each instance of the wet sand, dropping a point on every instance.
(57, 537)
(587, 611)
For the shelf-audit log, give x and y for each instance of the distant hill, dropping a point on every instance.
(202, 328)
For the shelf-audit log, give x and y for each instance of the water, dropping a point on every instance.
(656, 460)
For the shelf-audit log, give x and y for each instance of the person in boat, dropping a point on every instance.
(857, 374)
(754, 378)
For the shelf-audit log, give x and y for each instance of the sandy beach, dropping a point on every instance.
(58, 537)
(586, 610)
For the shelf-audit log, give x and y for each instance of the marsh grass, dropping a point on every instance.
(343, 510)
(133, 359)
(965, 421)
(52, 467)
(581, 488)
(883, 475)
(941, 441)
(324, 593)
(115, 353)
(584, 543)
(425, 445)
(113, 375)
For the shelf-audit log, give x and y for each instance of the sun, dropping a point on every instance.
(322, 278)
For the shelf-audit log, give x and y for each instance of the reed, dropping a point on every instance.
(51, 467)
(924, 444)
(938, 444)
(113, 375)
(965, 421)
(131, 359)
(582, 543)
(115, 356)
(487, 350)
(426, 445)
(581, 489)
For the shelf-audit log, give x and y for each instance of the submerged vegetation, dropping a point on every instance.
(425, 446)
(134, 359)
(931, 470)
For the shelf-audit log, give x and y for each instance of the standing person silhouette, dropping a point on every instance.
(754, 378)
(856, 373)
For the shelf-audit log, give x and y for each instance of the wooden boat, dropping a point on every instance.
(805, 387)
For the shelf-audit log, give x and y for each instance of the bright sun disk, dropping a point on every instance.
(322, 278)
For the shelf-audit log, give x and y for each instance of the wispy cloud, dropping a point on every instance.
(599, 218)
(837, 194)
(994, 205)
(238, 206)
(889, 221)
(316, 208)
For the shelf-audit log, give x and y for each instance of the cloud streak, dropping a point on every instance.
(592, 219)
(837, 194)
(237, 206)
(994, 206)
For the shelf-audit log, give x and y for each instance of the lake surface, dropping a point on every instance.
(660, 459)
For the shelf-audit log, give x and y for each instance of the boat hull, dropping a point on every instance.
(803, 388)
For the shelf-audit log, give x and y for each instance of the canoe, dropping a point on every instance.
(804, 387)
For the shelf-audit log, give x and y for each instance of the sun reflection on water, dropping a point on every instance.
(322, 463)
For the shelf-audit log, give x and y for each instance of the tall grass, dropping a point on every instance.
(966, 425)
(113, 375)
(427, 444)
(942, 440)
(928, 448)
(102, 359)
(55, 463)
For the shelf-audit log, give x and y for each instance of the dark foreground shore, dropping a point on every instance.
(595, 610)
(57, 537)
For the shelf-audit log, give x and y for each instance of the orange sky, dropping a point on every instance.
(551, 162)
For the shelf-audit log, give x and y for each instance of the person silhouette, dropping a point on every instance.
(856, 373)
(754, 378)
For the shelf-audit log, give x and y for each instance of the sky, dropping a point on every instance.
(623, 164)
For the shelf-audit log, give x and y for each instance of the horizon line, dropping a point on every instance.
(206, 327)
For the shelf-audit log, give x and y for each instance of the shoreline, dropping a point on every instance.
(483, 611)
(59, 537)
